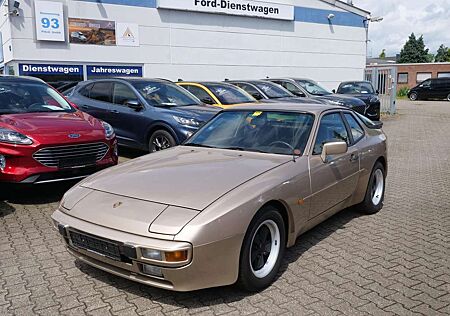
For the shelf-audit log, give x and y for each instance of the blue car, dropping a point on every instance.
(146, 114)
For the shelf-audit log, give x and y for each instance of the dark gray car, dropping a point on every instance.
(266, 90)
(307, 88)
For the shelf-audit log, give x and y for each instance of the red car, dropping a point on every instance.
(44, 138)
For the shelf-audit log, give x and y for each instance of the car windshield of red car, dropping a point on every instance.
(24, 97)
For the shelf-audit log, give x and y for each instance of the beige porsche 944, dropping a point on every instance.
(221, 208)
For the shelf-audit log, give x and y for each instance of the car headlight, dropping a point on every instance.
(109, 130)
(374, 99)
(335, 102)
(13, 137)
(187, 121)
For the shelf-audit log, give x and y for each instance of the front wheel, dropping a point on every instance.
(448, 97)
(373, 201)
(161, 140)
(413, 96)
(262, 250)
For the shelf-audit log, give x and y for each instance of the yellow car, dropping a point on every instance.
(219, 94)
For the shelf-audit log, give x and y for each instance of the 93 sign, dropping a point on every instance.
(49, 21)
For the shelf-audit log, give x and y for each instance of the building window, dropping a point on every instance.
(421, 76)
(403, 77)
(444, 75)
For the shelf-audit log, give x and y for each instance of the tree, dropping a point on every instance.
(443, 54)
(414, 51)
(383, 54)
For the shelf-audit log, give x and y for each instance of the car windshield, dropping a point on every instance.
(31, 97)
(165, 94)
(228, 94)
(274, 132)
(312, 87)
(272, 90)
(356, 88)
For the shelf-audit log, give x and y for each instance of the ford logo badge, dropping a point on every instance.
(74, 136)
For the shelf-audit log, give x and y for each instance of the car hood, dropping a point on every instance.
(200, 112)
(347, 100)
(366, 97)
(42, 126)
(183, 176)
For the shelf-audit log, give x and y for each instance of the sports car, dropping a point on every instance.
(222, 207)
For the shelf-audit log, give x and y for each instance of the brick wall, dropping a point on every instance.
(413, 69)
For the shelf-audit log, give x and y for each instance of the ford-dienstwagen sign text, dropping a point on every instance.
(234, 7)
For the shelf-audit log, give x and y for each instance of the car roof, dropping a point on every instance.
(20, 79)
(207, 83)
(287, 107)
(355, 81)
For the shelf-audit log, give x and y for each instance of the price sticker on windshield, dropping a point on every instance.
(257, 113)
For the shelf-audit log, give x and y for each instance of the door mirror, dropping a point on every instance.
(134, 104)
(257, 95)
(299, 94)
(334, 90)
(333, 148)
(208, 100)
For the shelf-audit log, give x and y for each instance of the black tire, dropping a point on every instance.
(414, 96)
(448, 97)
(161, 140)
(248, 280)
(368, 206)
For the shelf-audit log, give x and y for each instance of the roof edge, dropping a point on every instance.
(347, 7)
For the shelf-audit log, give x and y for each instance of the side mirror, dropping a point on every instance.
(299, 94)
(333, 148)
(334, 90)
(207, 100)
(257, 96)
(134, 104)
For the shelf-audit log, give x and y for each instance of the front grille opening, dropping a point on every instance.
(72, 155)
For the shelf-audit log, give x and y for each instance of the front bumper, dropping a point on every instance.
(209, 265)
(21, 167)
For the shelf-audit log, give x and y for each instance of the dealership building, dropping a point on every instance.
(65, 40)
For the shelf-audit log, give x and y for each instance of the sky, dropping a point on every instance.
(402, 17)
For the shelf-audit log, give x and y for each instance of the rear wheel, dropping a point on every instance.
(262, 250)
(161, 140)
(373, 201)
(413, 96)
(448, 97)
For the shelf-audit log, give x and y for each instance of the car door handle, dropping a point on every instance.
(115, 111)
(84, 107)
(354, 157)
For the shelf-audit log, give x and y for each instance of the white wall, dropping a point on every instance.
(201, 46)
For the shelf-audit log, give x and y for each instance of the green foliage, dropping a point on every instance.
(414, 51)
(443, 54)
(402, 92)
(383, 54)
(430, 58)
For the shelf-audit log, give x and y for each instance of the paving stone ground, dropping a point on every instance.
(394, 262)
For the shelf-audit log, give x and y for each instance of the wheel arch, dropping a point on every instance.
(288, 219)
(161, 126)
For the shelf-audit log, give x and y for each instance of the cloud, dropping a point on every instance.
(403, 17)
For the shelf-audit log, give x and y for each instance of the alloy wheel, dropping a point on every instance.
(413, 96)
(265, 248)
(377, 187)
(160, 142)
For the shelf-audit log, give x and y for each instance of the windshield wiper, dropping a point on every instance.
(242, 149)
(198, 145)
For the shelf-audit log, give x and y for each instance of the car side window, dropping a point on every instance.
(101, 91)
(86, 90)
(122, 94)
(199, 93)
(247, 88)
(331, 129)
(292, 88)
(355, 128)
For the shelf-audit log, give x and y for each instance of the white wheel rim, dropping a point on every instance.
(377, 187)
(271, 254)
(413, 97)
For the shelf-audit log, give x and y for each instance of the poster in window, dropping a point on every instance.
(93, 32)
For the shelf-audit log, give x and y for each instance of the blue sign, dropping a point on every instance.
(113, 71)
(50, 69)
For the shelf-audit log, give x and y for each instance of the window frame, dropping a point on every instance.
(344, 121)
(111, 83)
(403, 73)
(124, 84)
(423, 73)
(349, 128)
